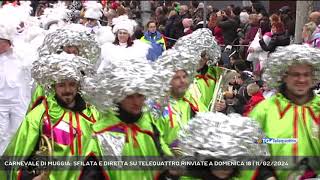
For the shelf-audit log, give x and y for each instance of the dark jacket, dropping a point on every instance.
(174, 29)
(277, 39)
(229, 29)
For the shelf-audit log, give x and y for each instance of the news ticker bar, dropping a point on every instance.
(138, 163)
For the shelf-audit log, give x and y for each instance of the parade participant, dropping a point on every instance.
(155, 39)
(131, 125)
(220, 138)
(73, 40)
(123, 28)
(293, 111)
(63, 117)
(92, 14)
(15, 79)
(202, 44)
(182, 105)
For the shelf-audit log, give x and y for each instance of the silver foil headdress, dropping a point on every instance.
(220, 136)
(199, 41)
(54, 68)
(86, 44)
(278, 62)
(118, 80)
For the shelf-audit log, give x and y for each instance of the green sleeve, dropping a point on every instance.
(258, 113)
(25, 140)
(36, 95)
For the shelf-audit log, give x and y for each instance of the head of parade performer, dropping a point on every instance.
(61, 74)
(297, 73)
(123, 28)
(179, 84)
(93, 13)
(66, 91)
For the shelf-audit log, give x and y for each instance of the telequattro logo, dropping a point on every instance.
(276, 140)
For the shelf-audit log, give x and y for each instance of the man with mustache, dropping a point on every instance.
(72, 39)
(293, 112)
(63, 117)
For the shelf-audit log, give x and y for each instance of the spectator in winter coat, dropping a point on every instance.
(251, 33)
(228, 25)
(216, 30)
(155, 39)
(174, 27)
(279, 38)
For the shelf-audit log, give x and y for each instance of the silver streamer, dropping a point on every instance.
(199, 41)
(278, 62)
(217, 135)
(54, 68)
(85, 42)
(124, 78)
(111, 145)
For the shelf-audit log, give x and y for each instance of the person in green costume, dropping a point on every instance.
(63, 117)
(72, 39)
(120, 90)
(205, 81)
(293, 112)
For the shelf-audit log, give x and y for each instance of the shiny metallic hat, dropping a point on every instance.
(71, 36)
(54, 68)
(120, 79)
(199, 41)
(222, 136)
(279, 61)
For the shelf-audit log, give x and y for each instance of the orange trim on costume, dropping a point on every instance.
(304, 115)
(134, 130)
(71, 133)
(91, 119)
(206, 77)
(79, 134)
(19, 174)
(315, 118)
(295, 130)
(282, 113)
(256, 174)
(170, 115)
(37, 101)
(195, 108)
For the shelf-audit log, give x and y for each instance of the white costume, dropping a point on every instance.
(113, 53)
(15, 78)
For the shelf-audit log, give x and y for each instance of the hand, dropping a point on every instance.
(42, 176)
(239, 29)
(220, 106)
(271, 178)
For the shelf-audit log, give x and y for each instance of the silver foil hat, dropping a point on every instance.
(118, 80)
(279, 61)
(85, 42)
(199, 41)
(220, 136)
(175, 60)
(54, 68)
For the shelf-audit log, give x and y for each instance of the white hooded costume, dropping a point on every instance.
(113, 53)
(15, 79)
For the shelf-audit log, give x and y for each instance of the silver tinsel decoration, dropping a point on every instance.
(115, 82)
(86, 43)
(54, 68)
(217, 135)
(278, 62)
(199, 41)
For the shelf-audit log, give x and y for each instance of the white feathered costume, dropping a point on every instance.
(112, 53)
(15, 78)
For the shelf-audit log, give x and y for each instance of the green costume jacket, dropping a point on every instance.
(37, 96)
(177, 114)
(203, 86)
(280, 118)
(134, 139)
(71, 132)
